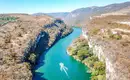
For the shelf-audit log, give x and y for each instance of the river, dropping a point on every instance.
(48, 67)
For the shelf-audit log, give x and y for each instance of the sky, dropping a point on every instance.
(49, 6)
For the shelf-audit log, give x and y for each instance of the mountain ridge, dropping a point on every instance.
(79, 16)
(60, 15)
(85, 13)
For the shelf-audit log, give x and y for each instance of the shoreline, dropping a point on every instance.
(44, 52)
(77, 59)
(80, 53)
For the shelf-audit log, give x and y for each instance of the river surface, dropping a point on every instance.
(48, 67)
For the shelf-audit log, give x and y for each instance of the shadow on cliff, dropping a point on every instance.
(40, 50)
(38, 76)
(40, 62)
(42, 44)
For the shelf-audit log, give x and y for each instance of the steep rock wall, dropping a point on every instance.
(20, 38)
(116, 68)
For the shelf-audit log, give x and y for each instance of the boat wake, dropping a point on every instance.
(63, 68)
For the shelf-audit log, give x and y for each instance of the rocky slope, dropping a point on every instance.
(21, 38)
(81, 16)
(109, 39)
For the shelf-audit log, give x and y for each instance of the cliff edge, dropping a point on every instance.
(109, 38)
(20, 35)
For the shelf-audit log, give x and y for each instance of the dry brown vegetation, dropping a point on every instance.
(115, 38)
(15, 38)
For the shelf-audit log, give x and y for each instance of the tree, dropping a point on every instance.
(82, 54)
(32, 58)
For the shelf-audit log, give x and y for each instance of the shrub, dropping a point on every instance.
(32, 58)
(115, 36)
(92, 58)
(94, 78)
(95, 73)
(101, 77)
(99, 65)
(95, 31)
(72, 51)
(27, 65)
(82, 54)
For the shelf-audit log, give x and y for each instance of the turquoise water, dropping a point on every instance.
(48, 66)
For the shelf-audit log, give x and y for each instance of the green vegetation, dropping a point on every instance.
(94, 31)
(115, 36)
(28, 65)
(81, 50)
(6, 19)
(32, 58)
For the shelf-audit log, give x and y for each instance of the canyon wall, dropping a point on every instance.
(111, 48)
(114, 69)
(21, 38)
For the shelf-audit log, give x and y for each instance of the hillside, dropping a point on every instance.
(82, 15)
(109, 38)
(21, 39)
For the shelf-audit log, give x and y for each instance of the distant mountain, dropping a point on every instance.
(38, 14)
(60, 15)
(82, 15)
(79, 16)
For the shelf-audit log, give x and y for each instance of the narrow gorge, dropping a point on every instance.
(23, 39)
(48, 66)
(64, 40)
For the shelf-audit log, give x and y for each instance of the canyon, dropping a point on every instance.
(24, 38)
(19, 42)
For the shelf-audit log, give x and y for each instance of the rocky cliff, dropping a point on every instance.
(109, 39)
(21, 38)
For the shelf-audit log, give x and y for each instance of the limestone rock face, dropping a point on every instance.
(111, 48)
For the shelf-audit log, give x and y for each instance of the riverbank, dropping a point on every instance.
(42, 44)
(57, 54)
(44, 52)
(80, 51)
